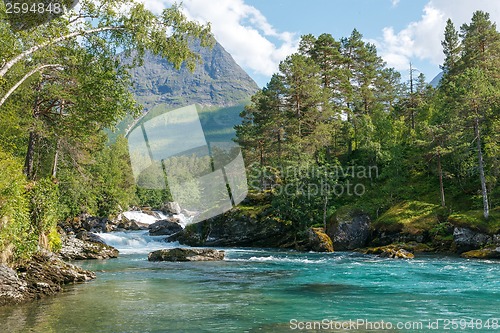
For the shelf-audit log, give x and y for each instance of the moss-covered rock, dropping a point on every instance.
(240, 226)
(475, 221)
(409, 217)
(390, 251)
(251, 224)
(491, 252)
(44, 274)
(318, 240)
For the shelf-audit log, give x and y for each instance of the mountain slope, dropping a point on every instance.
(217, 81)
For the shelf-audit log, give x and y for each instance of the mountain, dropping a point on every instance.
(219, 87)
(217, 81)
(435, 81)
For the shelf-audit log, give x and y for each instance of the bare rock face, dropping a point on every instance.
(466, 239)
(186, 254)
(12, 288)
(349, 230)
(45, 274)
(77, 249)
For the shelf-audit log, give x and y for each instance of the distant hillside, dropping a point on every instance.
(217, 81)
(219, 87)
(435, 81)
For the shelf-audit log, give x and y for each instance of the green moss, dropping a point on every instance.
(412, 217)
(486, 253)
(324, 239)
(476, 221)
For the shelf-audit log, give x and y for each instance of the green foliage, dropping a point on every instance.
(409, 217)
(55, 116)
(476, 221)
(113, 180)
(335, 102)
(17, 241)
(45, 211)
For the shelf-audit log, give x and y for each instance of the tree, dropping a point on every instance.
(451, 47)
(133, 31)
(471, 90)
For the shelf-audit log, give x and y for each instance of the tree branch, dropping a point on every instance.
(38, 69)
(5, 68)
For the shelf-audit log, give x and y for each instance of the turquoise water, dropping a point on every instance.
(265, 291)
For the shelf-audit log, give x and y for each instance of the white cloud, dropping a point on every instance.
(242, 30)
(422, 39)
(394, 3)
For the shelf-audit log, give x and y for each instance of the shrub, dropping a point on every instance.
(17, 240)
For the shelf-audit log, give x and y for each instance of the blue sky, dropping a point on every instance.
(261, 33)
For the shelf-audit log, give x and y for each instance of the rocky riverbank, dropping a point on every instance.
(392, 235)
(45, 274)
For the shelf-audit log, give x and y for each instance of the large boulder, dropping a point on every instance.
(184, 254)
(127, 224)
(89, 237)
(318, 241)
(349, 229)
(239, 227)
(165, 227)
(12, 288)
(77, 249)
(467, 239)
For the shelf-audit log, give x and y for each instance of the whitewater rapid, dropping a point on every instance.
(150, 219)
(129, 242)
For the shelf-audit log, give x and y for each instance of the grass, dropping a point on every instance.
(475, 220)
(412, 217)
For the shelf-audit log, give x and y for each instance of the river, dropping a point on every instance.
(267, 290)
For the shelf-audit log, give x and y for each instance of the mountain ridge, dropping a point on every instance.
(217, 81)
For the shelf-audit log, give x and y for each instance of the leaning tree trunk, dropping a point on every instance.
(484, 189)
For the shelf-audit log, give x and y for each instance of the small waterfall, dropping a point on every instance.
(140, 217)
(149, 219)
(183, 219)
(141, 241)
(135, 241)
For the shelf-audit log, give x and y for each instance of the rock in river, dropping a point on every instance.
(490, 252)
(390, 251)
(186, 254)
(166, 227)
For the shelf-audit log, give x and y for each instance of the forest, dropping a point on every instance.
(333, 128)
(336, 128)
(63, 89)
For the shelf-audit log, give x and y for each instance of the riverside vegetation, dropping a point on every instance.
(332, 106)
